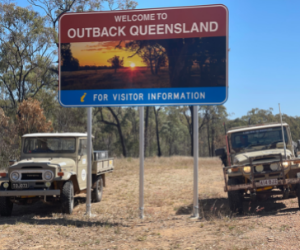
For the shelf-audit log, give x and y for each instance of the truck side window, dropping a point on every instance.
(82, 147)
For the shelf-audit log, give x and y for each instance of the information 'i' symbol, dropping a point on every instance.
(82, 98)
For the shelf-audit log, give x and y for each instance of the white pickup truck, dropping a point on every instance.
(53, 167)
(259, 163)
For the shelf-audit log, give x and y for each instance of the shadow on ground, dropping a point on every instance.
(219, 207)
(41, 213)
(43, 209)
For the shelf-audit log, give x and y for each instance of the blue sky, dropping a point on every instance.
(264, 57)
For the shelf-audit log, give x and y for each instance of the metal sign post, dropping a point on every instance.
(284, 146)
(195, 134)
(89, 162)
(141, 149)
(183, 34)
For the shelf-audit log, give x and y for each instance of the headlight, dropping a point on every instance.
(247, 169)
(48, 175)
(286, 164)
(5, 185)
(274, 166)
(14, 176)
(259, 168)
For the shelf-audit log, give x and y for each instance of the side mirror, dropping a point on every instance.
(220, 152)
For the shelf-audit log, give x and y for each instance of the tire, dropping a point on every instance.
(235, 198)
(67, 198)
(298, 193)
(98, 189)
(6, 206)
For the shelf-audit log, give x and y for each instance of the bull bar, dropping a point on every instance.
(29, 192)
(255, 185)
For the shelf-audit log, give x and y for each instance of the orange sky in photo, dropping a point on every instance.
(97, 54)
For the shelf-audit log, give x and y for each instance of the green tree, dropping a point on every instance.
(116, 120)
(24, 53)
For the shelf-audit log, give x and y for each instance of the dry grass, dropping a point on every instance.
(167, 223)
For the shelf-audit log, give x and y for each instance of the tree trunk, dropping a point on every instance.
(212, 141)
(208, 141)
(191, 130)
(146, 131)
(119, 131)
(157, 132)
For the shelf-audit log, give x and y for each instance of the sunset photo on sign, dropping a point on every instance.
(162, 63)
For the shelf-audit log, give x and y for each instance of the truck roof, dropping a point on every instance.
(251, 127)
(56, 135)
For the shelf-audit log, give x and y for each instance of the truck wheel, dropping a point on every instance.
(98, 189)
(67, 197)
(298, 193)
(6, 206)
(235, 198)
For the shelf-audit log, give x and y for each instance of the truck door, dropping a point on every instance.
(82, 163)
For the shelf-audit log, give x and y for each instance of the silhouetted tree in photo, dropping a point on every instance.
(191, 61)
(69, 62)
(152, 53)
(116, 62)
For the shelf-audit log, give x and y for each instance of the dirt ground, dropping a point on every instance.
(272, 224)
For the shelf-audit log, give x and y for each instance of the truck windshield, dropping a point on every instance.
(49, 145)
(267, 137)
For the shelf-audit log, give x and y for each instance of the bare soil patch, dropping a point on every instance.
(272, 224)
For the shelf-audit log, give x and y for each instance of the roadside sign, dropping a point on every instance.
(167, 56)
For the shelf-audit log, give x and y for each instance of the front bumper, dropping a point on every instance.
(258, 185)
(254, 183)
(29, 192)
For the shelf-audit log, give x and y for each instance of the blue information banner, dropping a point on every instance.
(143, 97)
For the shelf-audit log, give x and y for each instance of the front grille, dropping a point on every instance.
(274, 175)
(259, 176)
(32, 176)
(267, 168)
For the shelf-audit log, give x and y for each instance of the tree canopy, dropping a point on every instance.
(24, 53)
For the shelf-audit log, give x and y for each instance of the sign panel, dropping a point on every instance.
(168, 56)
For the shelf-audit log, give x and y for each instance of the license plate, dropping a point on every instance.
(19, 185)
(271, 182)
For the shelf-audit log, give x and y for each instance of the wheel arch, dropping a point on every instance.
(73, 179)
(94, 177)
